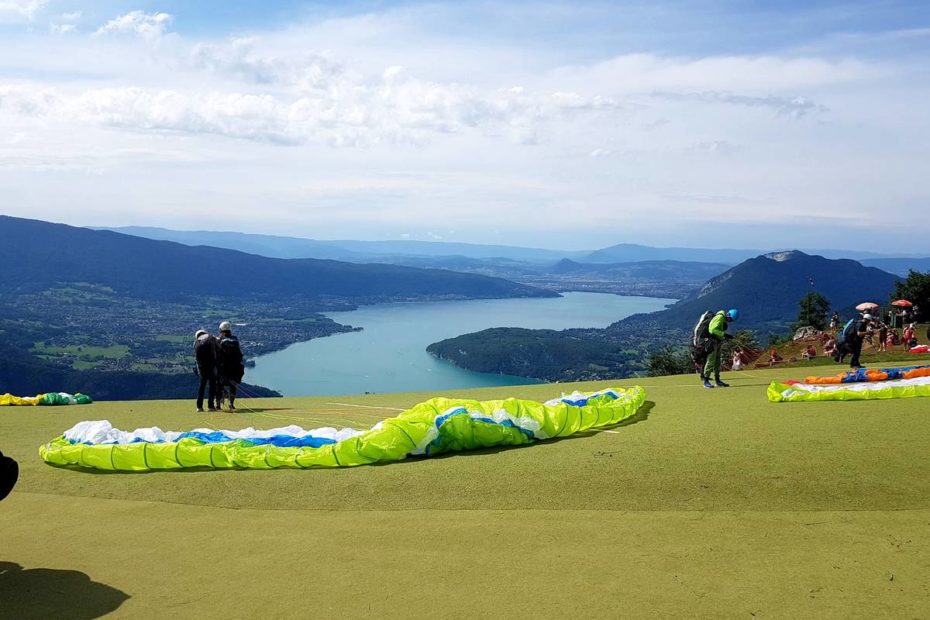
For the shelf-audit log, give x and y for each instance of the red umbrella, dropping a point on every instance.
(902, 303)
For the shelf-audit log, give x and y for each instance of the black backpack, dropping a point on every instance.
(702, 329)
(230, 353)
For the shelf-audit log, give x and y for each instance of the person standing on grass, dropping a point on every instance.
(229, 362)
(718, 333)
(205, 353)
(882, 336)
(854, 335)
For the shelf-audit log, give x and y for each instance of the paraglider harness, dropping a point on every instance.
(845, 339)
(702, 342)
(230, 368)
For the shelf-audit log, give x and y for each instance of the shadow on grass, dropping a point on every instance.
(51, 593)
(246, 409)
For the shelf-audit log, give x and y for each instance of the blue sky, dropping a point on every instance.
(573, 125)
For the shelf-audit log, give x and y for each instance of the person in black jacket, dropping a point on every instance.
(229, 362)
(9, 473)
(854, 336)
(205, 350)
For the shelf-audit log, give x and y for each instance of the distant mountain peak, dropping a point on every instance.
(780, 257)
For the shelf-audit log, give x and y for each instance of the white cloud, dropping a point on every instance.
(795, 107)
(12, 11)
(389, 128)
(62, 28)
(145, 25)
(310, 100)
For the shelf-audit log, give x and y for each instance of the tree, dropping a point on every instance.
(915, 289)
(744, 340)
(812, 310)
(670, 361)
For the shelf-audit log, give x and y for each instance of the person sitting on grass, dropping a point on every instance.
(810, 352)
(774, 357)
(737, 361)
(829, 347)
(892, 339)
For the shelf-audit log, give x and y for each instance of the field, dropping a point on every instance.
(711, 503)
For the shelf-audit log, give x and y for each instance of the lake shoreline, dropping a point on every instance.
(388, 353)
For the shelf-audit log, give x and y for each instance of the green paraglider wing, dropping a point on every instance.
(432, 427)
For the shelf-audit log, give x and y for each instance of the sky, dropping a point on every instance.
(567, 125)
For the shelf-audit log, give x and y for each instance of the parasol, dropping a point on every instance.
(866, 306)
(902, 303)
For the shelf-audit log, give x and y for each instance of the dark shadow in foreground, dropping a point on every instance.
(51, 593)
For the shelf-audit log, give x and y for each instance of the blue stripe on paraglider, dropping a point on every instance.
(279, 441)
(859, 375)
(583, 401)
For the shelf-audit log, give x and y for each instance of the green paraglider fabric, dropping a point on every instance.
(803, 392)
(432, 427)
(49, 399)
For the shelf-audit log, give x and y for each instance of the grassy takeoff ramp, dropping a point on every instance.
(706, 503)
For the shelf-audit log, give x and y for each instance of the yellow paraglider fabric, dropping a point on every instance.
(432, 427)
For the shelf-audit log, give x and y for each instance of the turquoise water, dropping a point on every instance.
(389, 355)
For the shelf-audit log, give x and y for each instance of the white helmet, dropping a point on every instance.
(225, 326)
(866, 316)
(200, 332)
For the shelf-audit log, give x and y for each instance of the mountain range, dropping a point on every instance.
(113, 315)
(401, 251)
(766, 289)
(39, 254)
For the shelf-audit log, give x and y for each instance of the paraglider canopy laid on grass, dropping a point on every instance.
(859, 384)
(51, 398)
(433, 427)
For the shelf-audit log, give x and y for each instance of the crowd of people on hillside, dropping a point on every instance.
(838, 341)
(219, 366)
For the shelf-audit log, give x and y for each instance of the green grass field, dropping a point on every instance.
(710, 503)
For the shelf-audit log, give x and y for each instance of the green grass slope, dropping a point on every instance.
(708, 503)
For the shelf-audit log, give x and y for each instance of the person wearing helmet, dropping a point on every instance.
(854, 334)
(205, 350)
(229, 363)
(718, 333)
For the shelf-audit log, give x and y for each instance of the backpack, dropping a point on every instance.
(702, 329)
(848, 330)
(230, 353)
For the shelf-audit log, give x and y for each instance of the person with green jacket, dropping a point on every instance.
(718, 333)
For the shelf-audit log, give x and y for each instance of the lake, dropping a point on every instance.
(389, 354)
